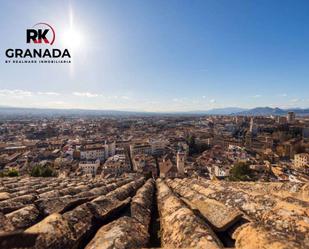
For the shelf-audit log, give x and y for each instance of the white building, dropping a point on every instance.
(221, 171)
(237, 153)
(110, 149)
(91, 154)
(89, 167)
(116, 164)
(218, 171)
(140, 148)
(281, 120)
(301, 160)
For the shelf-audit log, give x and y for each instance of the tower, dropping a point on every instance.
(251, 125)
(290, 117)
(253, 128)
(181, 163)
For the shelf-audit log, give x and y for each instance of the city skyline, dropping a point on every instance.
(161, 55)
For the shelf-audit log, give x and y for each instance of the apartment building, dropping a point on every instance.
(301, 160)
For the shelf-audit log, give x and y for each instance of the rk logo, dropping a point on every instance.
(44, 33)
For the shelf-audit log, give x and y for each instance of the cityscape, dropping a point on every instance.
(168, 124)
(212, 181)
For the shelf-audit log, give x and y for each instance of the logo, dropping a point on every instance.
(39, 35)
(44, 35)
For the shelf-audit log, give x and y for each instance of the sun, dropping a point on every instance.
(72, 35)
(72, 39)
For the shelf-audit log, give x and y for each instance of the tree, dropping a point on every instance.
(47, 172)
(41, 171)
(36, 172)
(241, 172)
(13, 173)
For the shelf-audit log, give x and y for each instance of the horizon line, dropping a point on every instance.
(144, 111)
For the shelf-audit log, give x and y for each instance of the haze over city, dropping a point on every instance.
(161, 55)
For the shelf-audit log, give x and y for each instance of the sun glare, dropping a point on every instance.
(72, 39)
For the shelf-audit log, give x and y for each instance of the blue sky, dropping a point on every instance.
(162, 55)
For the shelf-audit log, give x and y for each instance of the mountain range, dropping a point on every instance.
(267, 111)
(258, 111)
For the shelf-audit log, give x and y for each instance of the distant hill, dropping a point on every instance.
(221, 111)
(19, 111)
(266, 111)
(11, 111)
(258, 111)
(261, 111)
(6, 111)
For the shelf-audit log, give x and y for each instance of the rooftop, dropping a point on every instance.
(133, 212)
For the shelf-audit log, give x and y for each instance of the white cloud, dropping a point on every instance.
(48, 93)
(181, 99)
(86, 94)
(283, 95)
(56, 103)
(212, 101)
(16, 93)
(295, 100)
(257, 96)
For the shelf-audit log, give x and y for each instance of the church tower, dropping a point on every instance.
(181, 163)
